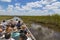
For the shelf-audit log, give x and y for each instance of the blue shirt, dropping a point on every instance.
(15, 35)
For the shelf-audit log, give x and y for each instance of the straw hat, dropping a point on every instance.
(15, 29)
(23, 27)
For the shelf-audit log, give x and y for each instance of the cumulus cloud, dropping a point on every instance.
(30, 5)
(50, 7)
(10, 8)
(47, 1)
(28, 8)
(53, 6)
(5, 0)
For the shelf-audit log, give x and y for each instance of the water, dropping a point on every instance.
(43, 33)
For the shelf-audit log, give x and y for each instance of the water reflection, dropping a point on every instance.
(43, 33)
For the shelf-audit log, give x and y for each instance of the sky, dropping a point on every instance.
(29, 7)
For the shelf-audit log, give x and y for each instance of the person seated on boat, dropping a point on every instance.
(16, 21)
(28, 36)
(23, 27)
(23, 37)
(15, 33)
(4, 23)
(12, 25)
(12, 22)
(8, 29)
(8, 36)
(18, 25)
(24, 30)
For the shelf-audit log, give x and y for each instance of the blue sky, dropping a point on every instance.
(21, 2)
(29, 7)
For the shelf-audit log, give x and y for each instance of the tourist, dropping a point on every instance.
(15, 34)
(8, 29)
(23, 29)
(18, 25)
(4, 23)
(23, 37)
(28, 36)
(8, 36)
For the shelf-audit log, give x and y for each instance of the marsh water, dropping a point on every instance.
(44, 33)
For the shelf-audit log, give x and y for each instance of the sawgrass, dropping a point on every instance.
(52, 22)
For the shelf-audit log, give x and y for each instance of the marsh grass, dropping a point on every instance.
(52, 22)
(5, 17)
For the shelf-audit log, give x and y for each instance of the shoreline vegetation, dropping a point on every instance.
(52, 22)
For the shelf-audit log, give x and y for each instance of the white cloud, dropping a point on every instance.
(27, 9)
(48, 1)
(10, 8)
(53, 6)
(57, 4)
(5, 0)
(18, 8)
(50, 7)
(17, 4)
(31, 5)
(31, 12)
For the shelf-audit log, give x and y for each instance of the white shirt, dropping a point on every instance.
(4, 24)
(29, 38)
(11, 39)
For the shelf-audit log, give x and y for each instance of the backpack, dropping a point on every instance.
(7, 35)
